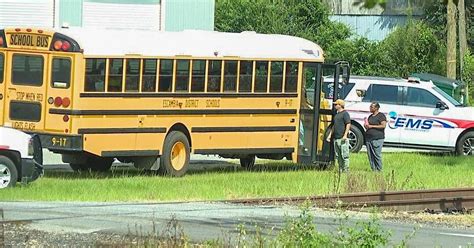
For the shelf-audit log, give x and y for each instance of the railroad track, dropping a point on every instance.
(445, 200)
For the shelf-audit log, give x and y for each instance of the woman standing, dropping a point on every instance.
(374, 136)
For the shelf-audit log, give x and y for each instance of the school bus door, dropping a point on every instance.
(316, 114)
(2, 86)
(25, 90)
(59, 92)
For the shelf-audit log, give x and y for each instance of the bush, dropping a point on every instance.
(412, 48)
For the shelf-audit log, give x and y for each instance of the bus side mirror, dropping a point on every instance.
(360, 93)
(345, 74)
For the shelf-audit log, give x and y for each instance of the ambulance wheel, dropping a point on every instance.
(356, 139)
(465, 145)
(8, 172)
(176, 154)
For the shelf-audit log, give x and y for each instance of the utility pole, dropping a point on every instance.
(451, 41)
(462, 42)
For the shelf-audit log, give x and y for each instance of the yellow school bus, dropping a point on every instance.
(153, 98)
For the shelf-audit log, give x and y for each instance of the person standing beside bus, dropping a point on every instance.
(339, 131)
(375, 135)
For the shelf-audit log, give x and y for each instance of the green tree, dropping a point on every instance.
(412, 48)
(307, 19)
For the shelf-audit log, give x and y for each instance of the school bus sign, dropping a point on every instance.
(32, 40)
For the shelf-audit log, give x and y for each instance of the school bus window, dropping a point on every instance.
(166, 75)
(291, 76)
(230, 76)
(132, 75)
(198, 76)
(214, 76)
(61, 74)
(27, 70)
(276, 76)
(95, 75)
(115, 75)
(182, 75)
(149, 75)
(261, 76)
(1, 67)
(245, 76)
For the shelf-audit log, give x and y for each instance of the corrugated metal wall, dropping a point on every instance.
(189, 14)
(371, 27)
(39, 13)
(376, 23)
(136, 15)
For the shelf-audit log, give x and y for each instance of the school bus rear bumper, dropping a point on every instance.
(62, 143)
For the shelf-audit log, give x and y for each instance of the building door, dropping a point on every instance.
(137, 15)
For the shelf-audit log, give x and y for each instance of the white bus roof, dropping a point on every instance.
(99, 42)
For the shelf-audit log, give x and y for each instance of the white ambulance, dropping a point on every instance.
(419, 114)
(20, 157)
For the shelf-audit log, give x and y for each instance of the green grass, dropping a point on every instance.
(402, 171)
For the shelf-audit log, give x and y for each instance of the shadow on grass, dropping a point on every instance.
(124, 171)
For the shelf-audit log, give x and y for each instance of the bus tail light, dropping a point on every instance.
(58, 101)
(65, 46)
(66, 118)
(57, 45)
(3, 41)
(66, 102)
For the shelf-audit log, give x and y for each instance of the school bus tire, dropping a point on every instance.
(174, 160)
(8, 172)
(94, 163)
(248, 162)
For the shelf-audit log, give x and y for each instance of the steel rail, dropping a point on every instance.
(446, 200)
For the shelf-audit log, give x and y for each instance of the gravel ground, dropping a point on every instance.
(19, 235)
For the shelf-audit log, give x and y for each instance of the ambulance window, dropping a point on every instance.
(1, 67)
(421, 98)
(382, 94)
(61, 73)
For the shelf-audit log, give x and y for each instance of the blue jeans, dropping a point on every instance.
(342, 154)
(374, 152)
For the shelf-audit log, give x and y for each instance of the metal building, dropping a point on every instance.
(167, 15)
(376, 23)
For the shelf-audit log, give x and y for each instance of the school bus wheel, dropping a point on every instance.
(248, 162)
(176, 152)
(93, 163)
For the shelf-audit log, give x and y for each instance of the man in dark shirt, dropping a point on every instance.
(339, 131)
(374, 136)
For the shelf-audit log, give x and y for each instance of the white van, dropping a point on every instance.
(20, 157)
(419, 114)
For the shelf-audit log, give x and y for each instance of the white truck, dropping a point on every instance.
(20, 157)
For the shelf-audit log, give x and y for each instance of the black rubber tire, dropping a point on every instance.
(94, 163)
(12, 168)
(166, 165)
(248, 162)
(77, 167)
(461, 141)
(356, 139)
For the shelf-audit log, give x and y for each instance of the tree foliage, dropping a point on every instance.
(412, 48)
(307, 19)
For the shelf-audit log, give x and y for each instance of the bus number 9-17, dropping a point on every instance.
(58, 141)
